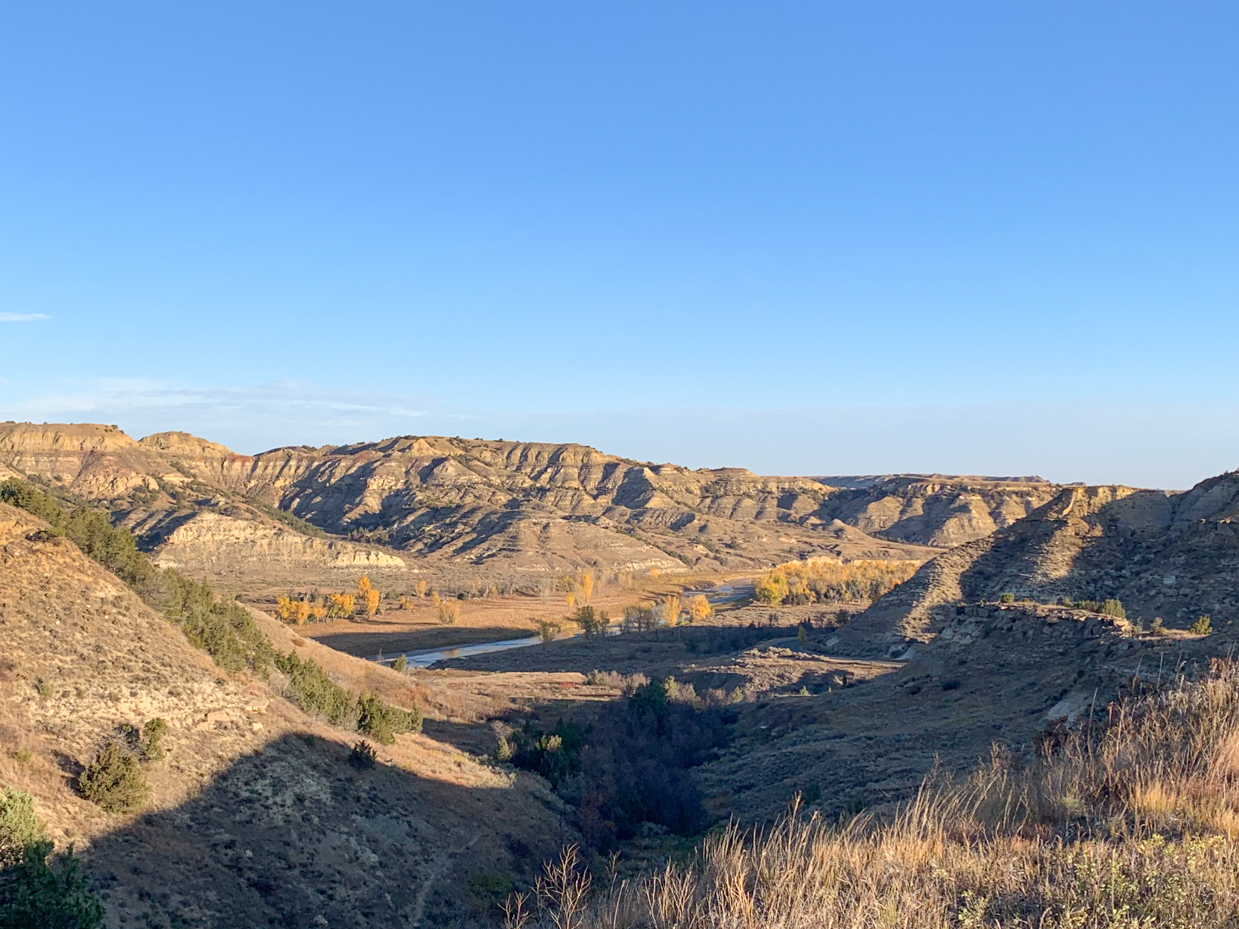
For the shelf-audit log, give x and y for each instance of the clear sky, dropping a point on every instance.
(799, 237)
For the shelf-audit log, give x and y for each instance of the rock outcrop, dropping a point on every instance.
(1173, 556)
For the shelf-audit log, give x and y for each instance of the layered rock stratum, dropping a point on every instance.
(512, 506)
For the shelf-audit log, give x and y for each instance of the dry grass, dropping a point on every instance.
(1130, 825)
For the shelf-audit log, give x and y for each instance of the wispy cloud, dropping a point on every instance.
(22, 317)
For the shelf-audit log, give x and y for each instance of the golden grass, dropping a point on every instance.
(1129, 825)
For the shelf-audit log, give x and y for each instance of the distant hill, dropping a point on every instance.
(506, 506)
(510, 508)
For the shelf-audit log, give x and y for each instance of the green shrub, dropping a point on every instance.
(316, 693)
(1113, 608)
(150, 742)
(363, 755)
(37, 896)
(1105, 607)
(1007, 598)
(114, 780)
(592, 622)
(382, 722)
(1202, 626)
(29, 498)
(503, 751)
(400, 664)
(224, 629)
(19, 826)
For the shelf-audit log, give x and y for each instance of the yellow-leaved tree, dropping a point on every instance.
(341, 606)
(367, 596)
(699, 608)
(585, 586)
(449, 612)
(671, 607)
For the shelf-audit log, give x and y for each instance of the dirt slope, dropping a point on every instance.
(255, 817)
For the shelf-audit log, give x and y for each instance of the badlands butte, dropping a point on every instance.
(1014, 611)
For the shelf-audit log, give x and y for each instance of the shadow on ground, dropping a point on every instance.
(295, 836)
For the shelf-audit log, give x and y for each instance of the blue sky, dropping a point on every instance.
(797, 237)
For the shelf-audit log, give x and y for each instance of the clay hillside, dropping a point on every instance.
(515, 509)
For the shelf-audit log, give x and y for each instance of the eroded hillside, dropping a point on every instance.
(509, 507)
(1173, 556)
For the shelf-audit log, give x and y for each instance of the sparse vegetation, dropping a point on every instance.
(225, 630)
(317, 694)
(114, 780)
(825, 581)
(1130, 822)
(1202, 625)
(547, 631)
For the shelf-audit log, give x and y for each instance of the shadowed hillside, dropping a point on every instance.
(255, 815)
